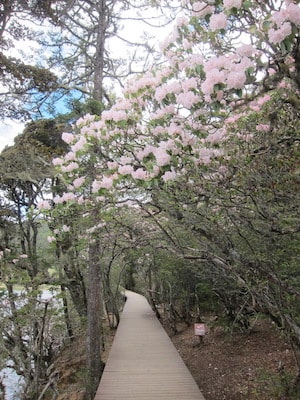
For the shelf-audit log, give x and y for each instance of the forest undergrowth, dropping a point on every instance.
(226, 366)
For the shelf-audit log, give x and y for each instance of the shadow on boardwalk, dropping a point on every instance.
(143, 364)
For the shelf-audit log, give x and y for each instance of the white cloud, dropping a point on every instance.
(8, 131)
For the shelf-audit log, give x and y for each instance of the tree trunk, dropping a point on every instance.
(66, 312)
(99, 57)
(95, 364)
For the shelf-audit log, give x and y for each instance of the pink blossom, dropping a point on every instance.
(284, 84)
(94, 127)
(278, 35)
(101, 198)
(79, 145)
(57, 161)
(246, 50)
(236, 80)
(161, 112)
(290, 13)
(44, 205)
(96, 186)
(125, 169)
(80, 200)
(162, 158)
(232, 119)
(112, 164)
(263, 99)
(155, 171)
(201, 9)
(212, 78)
(107, 182)
(147, 80)
(173, 129)
(68, 197)
(70, 156)
(218, 21)
(205, 155)
(78, 182)
(67, 137)
(123, 104)
(195, 59)
(216, 137)
(168, 176)
(125, 160)
(164, 72)
(186, 44)
(158, 130)
(247, 138)
(293, 11)
(65, 228)
(190, 83)
(140, 155)
(140, 174)
(57, 200)
(69, 168)
(165, 89)
(271, 71)
(263, 127)
(219, 95)
(187, 139)
(51, 239)
(232, 3)
(114, 115)
(85, 120)
(181, 21)
(174, 35)
(187, 99)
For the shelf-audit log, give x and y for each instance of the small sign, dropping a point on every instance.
(199, 329)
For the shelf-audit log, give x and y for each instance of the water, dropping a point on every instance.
(10, 379)
(12, 383)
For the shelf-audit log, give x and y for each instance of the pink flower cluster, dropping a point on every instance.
(174, 107)
(44, 205)
(78, 182)
(232, 3)
(201, 9)
(68, 137)
(106, 182)
(230, 70)
(218, 21)
(263, 127)
(282, 21)
(167, 88)
(64, 198)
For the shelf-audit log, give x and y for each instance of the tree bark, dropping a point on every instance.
(99, 56)
(95, 364)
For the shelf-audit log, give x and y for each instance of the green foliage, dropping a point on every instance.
(280, 385)
(45, 136)
(80, 108)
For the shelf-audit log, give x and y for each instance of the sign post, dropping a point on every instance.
(200, 330)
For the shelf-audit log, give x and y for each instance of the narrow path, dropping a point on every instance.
(143, 363)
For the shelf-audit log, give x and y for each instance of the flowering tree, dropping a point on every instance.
(220, 62)
(188, 127)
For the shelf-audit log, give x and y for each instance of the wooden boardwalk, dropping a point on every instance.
(143, 364)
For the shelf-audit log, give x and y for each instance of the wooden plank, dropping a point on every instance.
(143, 363)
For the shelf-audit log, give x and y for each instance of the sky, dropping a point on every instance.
(8, 131)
